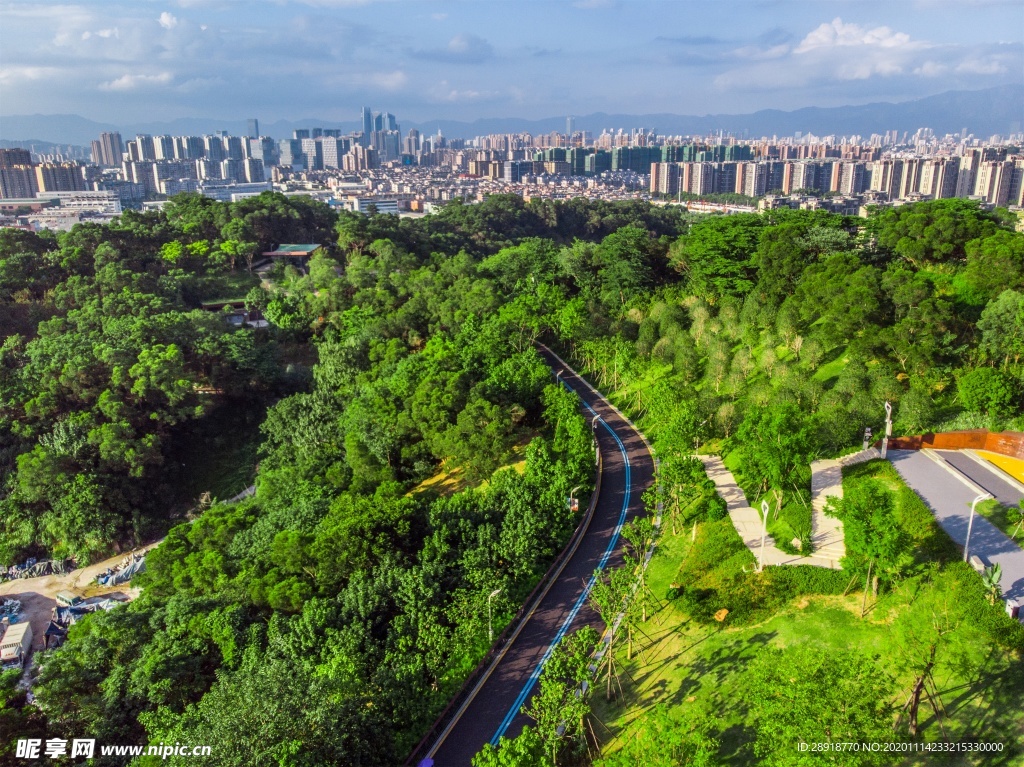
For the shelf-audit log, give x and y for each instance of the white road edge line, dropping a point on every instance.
(993, 469)
(952, 470)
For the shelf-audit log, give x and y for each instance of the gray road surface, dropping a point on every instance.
(949, 496)
(986, 477)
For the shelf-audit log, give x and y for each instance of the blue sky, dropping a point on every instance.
(139, 60)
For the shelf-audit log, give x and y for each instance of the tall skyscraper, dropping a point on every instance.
(367, 126)
(569, 126)
(253, 126)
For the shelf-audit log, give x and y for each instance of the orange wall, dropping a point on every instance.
(1009, 443)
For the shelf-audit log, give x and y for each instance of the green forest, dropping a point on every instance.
(411, 453)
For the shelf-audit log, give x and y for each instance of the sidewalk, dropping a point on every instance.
(949, 495)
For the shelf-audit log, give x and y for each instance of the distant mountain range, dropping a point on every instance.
(983, 113)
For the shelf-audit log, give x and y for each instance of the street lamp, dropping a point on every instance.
(970, 523)
(764, 534)
(888, 428)
(490, 626)
(574, 504)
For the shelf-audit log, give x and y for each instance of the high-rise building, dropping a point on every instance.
(361, 158)
(597, 163)
(208, 168)
(253, 128)
(994, 180)
(172, 170)
(232, 169)
(411, 142)
(886, 176)
(213, 148)
(233, 148)
(389, 145)
(702, 178)
(17, 175)
(300, 133)
(163, 148)
(289, 152)
(384, 121)
(853, 178)
(752, 178)
(254, 171)
(367, 120)
(144, 147)
(312, 153)
(109, 150)
(938, 178)
(330, 151)
(11, 157)
(140, 172)
(189, 147)
(263, 149)
(664, 178)
(59, 177)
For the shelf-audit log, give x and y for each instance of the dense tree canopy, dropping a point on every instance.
(415, 456)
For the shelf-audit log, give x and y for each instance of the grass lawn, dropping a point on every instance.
(690, 659)
(829, 371)
(1003, 517)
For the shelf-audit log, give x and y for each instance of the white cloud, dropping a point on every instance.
(839, 33)
(168, 20)
(981, 67)
(64, 38)
(11, 75)
(134, 82)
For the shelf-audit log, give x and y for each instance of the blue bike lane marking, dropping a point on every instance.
(532, 681)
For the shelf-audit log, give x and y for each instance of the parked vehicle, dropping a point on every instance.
(67, 599)
(16, 646)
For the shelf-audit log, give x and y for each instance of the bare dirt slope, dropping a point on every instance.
(37, 594)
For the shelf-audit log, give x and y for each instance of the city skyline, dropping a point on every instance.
(123, 62)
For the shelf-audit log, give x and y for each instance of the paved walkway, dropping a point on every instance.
(827, 482)
(745, 519)
(826, 532)
(948, 492)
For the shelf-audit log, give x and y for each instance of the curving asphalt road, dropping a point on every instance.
(628, 469)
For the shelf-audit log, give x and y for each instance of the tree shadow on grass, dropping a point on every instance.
(717, 670)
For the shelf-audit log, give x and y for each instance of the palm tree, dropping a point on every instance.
(991, 577)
